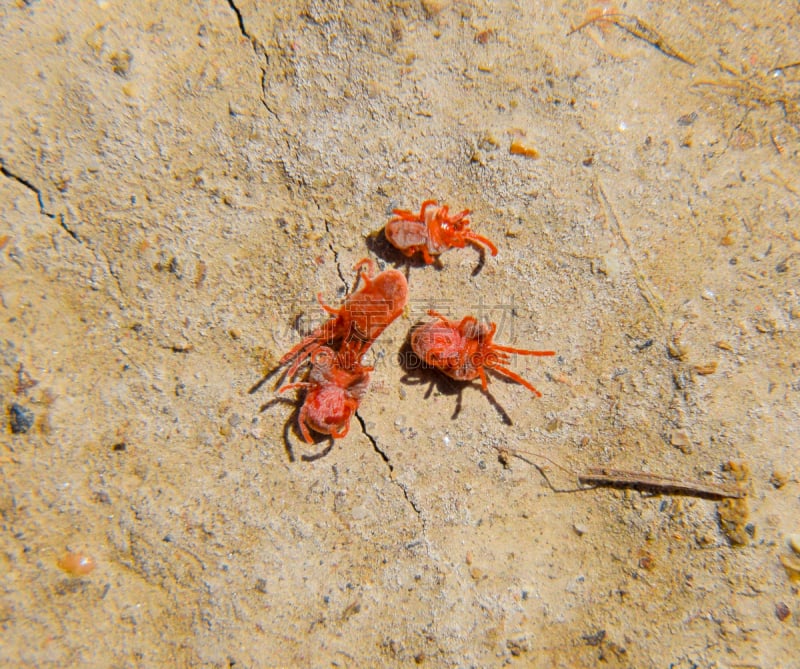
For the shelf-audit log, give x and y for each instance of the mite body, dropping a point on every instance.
(463, 350)
(333, 393)
(432, 231)
(355, 325)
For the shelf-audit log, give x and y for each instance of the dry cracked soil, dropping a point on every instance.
(179, 180)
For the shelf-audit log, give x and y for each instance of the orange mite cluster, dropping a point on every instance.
(337, 380)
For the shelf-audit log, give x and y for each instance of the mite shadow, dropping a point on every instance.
(291, 428)
(417, 373)
(378, 245)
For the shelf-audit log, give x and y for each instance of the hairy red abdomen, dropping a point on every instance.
(443, 346)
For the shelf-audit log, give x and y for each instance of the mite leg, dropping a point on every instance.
(516, 377)
(478, 240)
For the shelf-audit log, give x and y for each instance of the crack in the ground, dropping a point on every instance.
(374, 442)
(260, 52)
(67, 229)
(264, 102)
(389, 464)
(98, 255)
(42, 209)
(239, 19)
(114, 274)
(23, 181)
(335, 255)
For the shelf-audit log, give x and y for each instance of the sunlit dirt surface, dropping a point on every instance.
(178, 182)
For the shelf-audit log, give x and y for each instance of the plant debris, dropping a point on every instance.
(620, 478)
(643, 480)
(637, 28)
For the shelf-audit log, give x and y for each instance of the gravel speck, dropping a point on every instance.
(20, 419)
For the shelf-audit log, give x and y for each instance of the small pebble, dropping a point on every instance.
(77, 564)
(103, 497)
(794, 542)
(705, 540)
(782, 611)
(483, 36)
(521, 149)
(792, 566)
(553, 425)
(580, 529)
(434, 7)
(478, 157)
(706, 368)
(779, 478)
(20, 419)
(677, 349)
(680, 440)
(647, 562)
(121, 62)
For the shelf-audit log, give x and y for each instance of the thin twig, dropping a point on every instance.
(602, 476)
(641, 280)
(637, 28)
(783, 67)
(619, 478)
(505, 452)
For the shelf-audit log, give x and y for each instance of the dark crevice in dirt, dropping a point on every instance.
(66, 228)
(411, 502)
(21, 180)
(239, 18)
(388, 462)
(42, 210)
(264, 88)
(260, 52)
(374, 442)
(99, 256)
(115, 275)
(333, 250)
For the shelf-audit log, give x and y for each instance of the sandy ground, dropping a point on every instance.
(178, 182)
